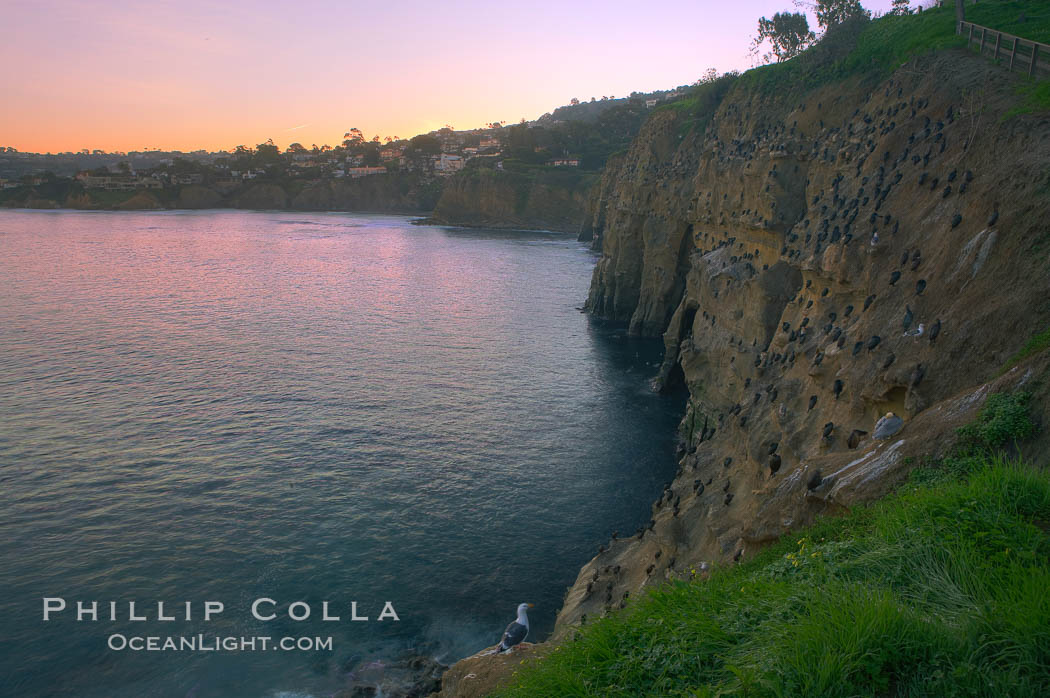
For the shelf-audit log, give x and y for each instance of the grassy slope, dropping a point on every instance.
(883, 45)
(1029, 19)
(938, 590)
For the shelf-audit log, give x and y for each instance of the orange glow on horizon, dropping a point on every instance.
(188, 75)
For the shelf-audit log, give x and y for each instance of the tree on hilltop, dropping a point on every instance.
(900, 7)
(832, 12)
(424, 145)
(353, 137)
(710, 75)
(788, 33)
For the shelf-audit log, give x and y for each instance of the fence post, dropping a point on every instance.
(1013, 54)
(998, 38)
(1035, 57)
(969, 39)
(983, 33)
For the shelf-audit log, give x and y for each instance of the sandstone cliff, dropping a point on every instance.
(814, 259)
(396, 193)
(393, 193)
(499, 199)
(789, 255)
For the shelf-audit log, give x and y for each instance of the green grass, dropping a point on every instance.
(860, 47)
(1006, 16)
(1035, 97)
(938, 590)
(876, 48)
(698, 107)
(1038, 343)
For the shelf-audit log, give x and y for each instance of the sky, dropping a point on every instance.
(122, 75)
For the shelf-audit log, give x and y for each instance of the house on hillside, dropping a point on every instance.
(448, 163)
(564, 162)
(355, 172)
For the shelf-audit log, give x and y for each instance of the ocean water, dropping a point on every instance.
(225, 406)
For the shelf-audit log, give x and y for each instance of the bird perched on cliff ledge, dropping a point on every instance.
(517, 631)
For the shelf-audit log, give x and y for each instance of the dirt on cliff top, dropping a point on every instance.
(484, 672)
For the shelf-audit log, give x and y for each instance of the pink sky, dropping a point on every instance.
(188, 74)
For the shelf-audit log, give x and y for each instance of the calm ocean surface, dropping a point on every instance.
(307, 407)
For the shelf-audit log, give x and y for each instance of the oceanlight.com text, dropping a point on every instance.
(202, 643)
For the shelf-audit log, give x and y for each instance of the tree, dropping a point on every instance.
(425, 145)
(353, 137)
(267, 154)
(710, 75)
(900, 7)
(574, 101)
(832, 12)
(960, 11)
(788, 33)
(124, 167)
(296, 149)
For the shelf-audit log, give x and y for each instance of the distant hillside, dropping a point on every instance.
(590, 111)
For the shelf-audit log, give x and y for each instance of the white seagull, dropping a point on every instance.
(917, 332)
(517, 631)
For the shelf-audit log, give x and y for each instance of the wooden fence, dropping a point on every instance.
(1026, 55)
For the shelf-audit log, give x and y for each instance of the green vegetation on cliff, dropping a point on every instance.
(937, 590)
(874, 48)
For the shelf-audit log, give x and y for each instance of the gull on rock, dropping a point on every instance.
(517, 631)
(917, 332)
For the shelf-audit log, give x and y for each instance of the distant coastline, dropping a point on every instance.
(556, 201)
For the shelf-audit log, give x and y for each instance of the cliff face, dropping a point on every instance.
(389, 194)
(496, 199)
(394, 193)
(789, 255)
